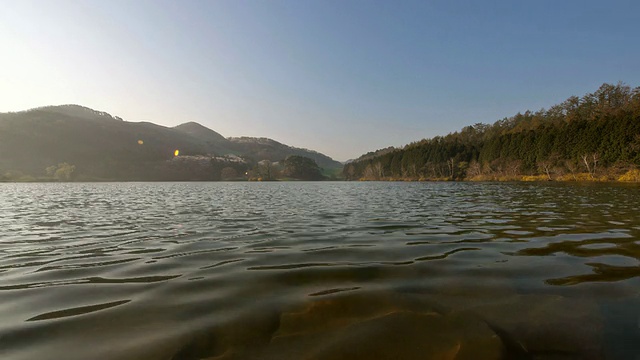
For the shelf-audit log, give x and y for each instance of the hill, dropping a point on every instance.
(213, 140)
(105, 147)
(595, 137)
(268, 149)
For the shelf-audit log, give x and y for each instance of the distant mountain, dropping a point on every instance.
(264, 148)
(75, 111)
(105, 147)
(213, 142)
(202, 133)
(252, 147)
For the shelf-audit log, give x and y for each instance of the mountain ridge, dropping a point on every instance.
(105, 147)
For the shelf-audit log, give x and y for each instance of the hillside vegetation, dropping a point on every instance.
(75, 143)
(594, 137)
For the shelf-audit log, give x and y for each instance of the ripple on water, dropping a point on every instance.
(151, 271)
(76, 311)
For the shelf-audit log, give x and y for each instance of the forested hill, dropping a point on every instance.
(594, 137)
(75, 143)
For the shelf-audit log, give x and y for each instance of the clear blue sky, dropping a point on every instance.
(340, 77)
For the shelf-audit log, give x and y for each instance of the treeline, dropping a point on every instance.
(194, 168)
(294, 167)
(595, 137)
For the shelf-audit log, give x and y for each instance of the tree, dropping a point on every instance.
(593, 132)
(545, 166)
(61, 172)
(475, 169)
(378, 170)
(265, 170)
(463, 166)
(301, 168)
(572, 166)
(451, 166)
(350, 172)
(588, 159)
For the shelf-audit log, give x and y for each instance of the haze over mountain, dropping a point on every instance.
(105, 147)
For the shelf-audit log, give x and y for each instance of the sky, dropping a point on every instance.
(341, 77)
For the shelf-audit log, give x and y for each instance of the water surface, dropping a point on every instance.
(295, 270)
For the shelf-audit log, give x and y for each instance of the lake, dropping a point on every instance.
(325, 270)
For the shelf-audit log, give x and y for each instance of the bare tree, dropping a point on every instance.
(373, 172)
(545, 166)
(572, 167)
(378, 170)
(474, 169)
(513, 167)
(592, 159)
(265, 170)
(451, 166)
(585, 161)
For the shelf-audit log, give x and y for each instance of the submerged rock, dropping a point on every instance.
(549, 326)
(387, 325)
(392, 331)
(363, 326)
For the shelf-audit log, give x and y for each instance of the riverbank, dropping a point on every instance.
(630, 176)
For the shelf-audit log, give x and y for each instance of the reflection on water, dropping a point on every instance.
(319, 271)
(597, 246)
